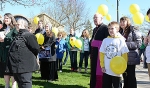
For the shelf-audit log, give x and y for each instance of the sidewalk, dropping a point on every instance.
(142, 77)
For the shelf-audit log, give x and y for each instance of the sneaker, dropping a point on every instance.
(85, 70)
(60, 71)
(72, 69)
(75, 70)
(79, 69)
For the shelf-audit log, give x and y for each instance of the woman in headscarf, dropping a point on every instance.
(48, 64)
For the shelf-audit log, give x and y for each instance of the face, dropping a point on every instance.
(148, 16)
(97, 19)
(72, 31)
(112, 30)
(47, 29)
(30, 29)
(123, 24)
(40, 24)
(7, 20)
(60, 36)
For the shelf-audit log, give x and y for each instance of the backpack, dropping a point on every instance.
(18, 43)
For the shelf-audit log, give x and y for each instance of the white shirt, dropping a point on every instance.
(147, 51)
(86, 44)
(112, 47)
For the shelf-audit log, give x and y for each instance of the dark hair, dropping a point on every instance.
(127, 29)
(0, 22)
(13, 21)
(148, 11)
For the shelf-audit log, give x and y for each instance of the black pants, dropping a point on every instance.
(129, 77)
(84, 56)
(24, 80)
(59, 64)
(73, 59)
(110, 81)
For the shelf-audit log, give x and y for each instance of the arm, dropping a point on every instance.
(125, 56)
(102, 59)
(136, 41)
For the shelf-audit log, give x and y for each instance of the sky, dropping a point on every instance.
(91, 5)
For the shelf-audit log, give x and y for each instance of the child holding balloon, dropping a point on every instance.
(84, 51)
(112, 46)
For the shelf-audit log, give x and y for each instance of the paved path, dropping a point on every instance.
(142, 77)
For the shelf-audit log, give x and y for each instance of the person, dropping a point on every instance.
(48, 66)
(99, 33)
(148, 13)
(26, 51)
(84, 51)
(30, 28)
(40, 28)
(113, 45)
(9, 30)
(67, 54)
(133, 41)
(142, 51)
(72, 51)
(147, 52)
(61, 48)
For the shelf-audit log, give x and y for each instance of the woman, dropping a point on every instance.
(84, 54)
(133, 41)
(48, 65)
(10, 32)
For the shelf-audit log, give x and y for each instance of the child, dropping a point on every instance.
(84, 54)
(113, 45)
(147, 51)
(60, 49)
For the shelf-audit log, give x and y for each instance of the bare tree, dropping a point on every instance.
(22, 2)
(70, 13)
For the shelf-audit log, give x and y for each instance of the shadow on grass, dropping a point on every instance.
(143, 82)
(2, 86)
(45, 84)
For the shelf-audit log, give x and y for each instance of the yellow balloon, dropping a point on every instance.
(103, 9)
(55, 30)
(134, 8)
(72, 41)
(147, 18)
(108, 17)
(78, 43)
(138, 18)
(36, 19)
(40, 38)
(118, 64)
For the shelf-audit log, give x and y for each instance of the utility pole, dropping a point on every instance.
(118, 10)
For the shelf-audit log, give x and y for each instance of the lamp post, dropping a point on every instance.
(118, 10)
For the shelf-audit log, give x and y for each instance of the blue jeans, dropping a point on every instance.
(66, 58)
(73, 59)
(84, 56)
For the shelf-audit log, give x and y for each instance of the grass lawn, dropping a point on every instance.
(67, 79)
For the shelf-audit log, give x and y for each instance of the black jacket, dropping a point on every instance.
(24, 59)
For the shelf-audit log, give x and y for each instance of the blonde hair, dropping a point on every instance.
(62, 33)
(113, 23)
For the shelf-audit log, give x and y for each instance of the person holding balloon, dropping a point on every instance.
(133, 41)
(84, 50)
(72, 49)
(112, 46)
(48, 66)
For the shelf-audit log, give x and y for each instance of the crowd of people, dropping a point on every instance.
(20, 53)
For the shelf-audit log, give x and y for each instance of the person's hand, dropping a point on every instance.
(103, 70)
(42, 47)
(1, 39)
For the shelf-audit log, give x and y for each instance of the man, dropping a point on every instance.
(99, 33)
(148, 13)
(23, 52)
